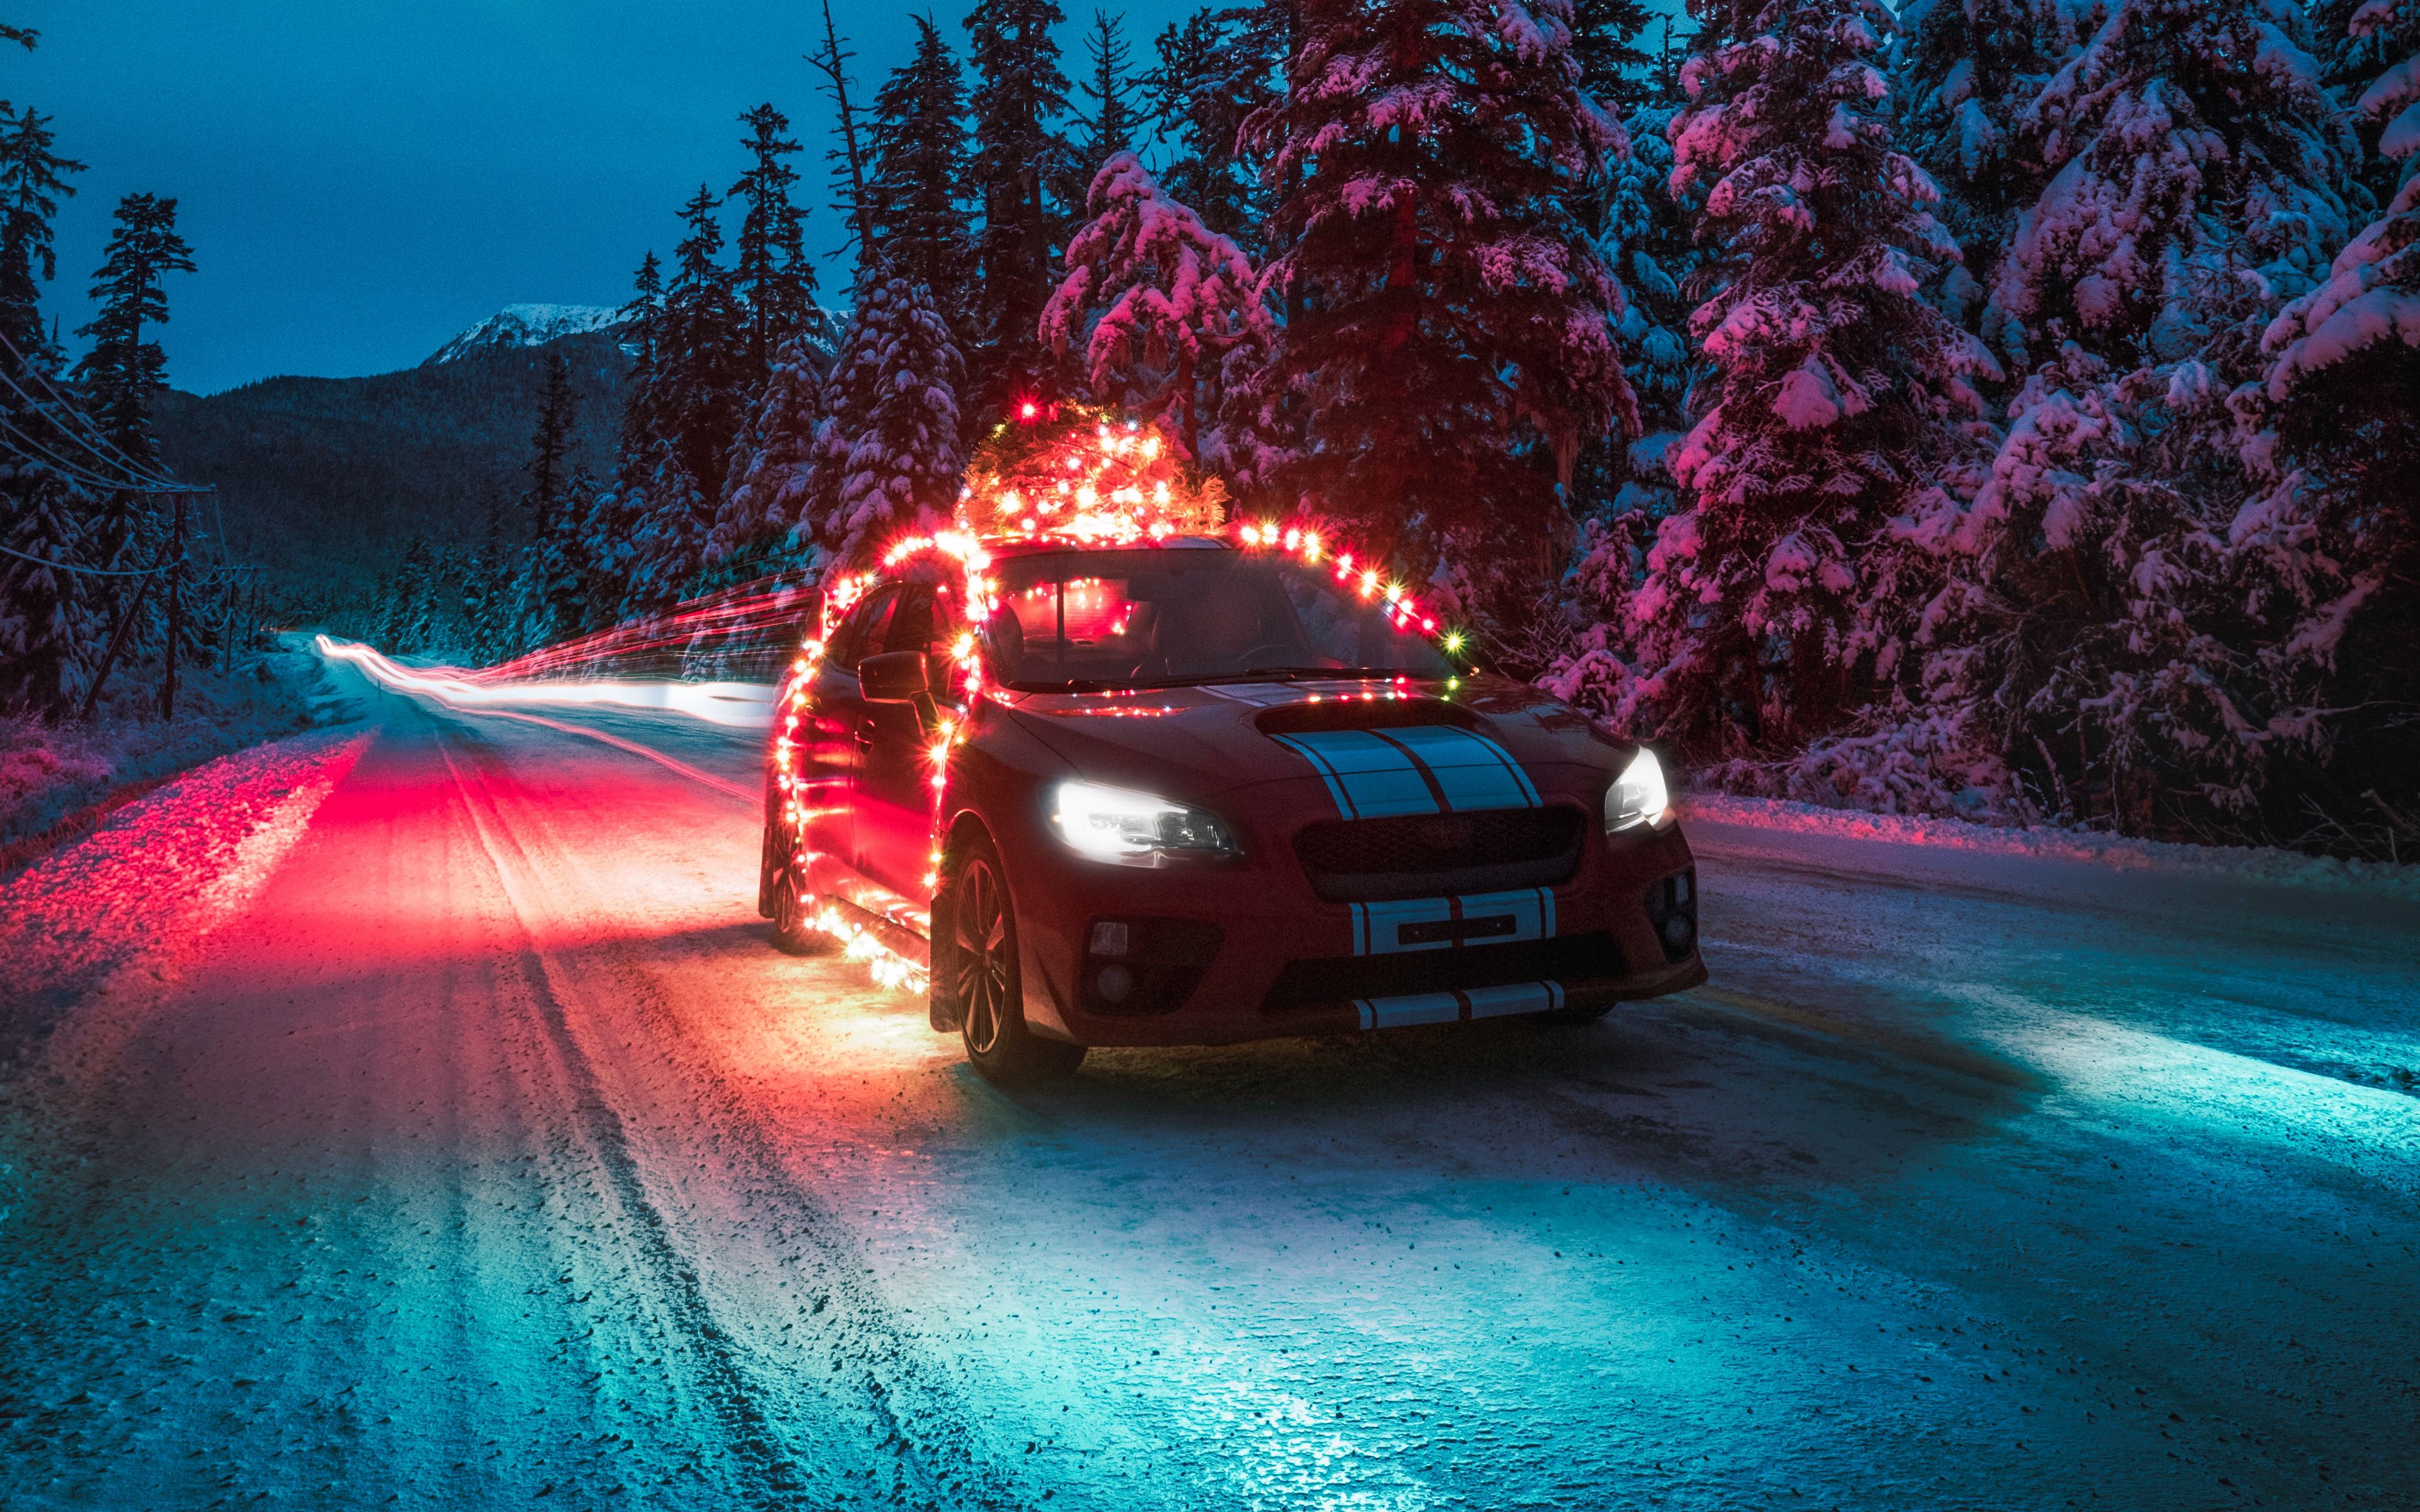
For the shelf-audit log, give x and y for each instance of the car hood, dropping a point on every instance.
(1195, 742)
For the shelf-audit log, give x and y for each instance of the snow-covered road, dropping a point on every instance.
(426, 1117)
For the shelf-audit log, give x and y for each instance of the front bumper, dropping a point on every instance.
(1278, 961)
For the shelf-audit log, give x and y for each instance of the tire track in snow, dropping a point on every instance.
(928, 1434)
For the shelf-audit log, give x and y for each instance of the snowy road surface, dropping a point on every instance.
(420, 1114)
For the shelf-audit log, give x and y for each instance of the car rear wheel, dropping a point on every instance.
(983, 981)
(790, 906)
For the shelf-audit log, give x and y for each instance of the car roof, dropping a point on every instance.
(1003, 546)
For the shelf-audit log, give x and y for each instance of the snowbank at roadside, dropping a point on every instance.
(163, 868)
(2118, 852)
(49, 773)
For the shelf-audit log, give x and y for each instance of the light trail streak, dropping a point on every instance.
(739, 705)
(680, 767)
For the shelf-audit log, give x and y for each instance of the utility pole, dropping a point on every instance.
(176, 611)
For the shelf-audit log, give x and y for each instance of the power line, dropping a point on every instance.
(90, 437)
(70, 566)
(76, 470)
(111, 456)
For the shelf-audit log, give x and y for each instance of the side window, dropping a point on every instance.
(913, 628)
(861, 634)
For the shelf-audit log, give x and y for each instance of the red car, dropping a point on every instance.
(1201, 794)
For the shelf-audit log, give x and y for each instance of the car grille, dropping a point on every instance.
(1571, 960)
(1427, 856)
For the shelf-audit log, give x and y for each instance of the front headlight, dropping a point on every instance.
(1638, 796)
(1115, 824)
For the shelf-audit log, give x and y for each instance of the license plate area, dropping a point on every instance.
(1455, 931)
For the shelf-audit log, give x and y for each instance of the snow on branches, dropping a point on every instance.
(1449, 338)
(2192, 144)
(887, 452)
(1828, 366)
(1157, 300)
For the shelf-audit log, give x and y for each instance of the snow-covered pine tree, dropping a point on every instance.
(772, 279)
(1761, 623)
(2341, 401)
(1018, 154)
(1214, 70)
(1156, 299)
(1623, 488)
(695, 385)
(919, 171)
(401, 598)
(764, 499)
(33, 181)
(1455, 344)
(123, 370)
(46, 624)
(2190, 143)
(2357, 43)
(2099, 613)
(890, 445)
(1965, 73)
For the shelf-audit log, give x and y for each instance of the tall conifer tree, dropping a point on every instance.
(920, 171)
(1109, 119)
(46, 624)
(1756, 620)
(1018, 97)
(549, 463)
(1614, 68)
(1213, 71)
(125, 366)
(638, 442)
(1454, 345)
(771, 276)
(33, 181)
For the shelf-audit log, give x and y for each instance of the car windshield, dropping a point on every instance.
(1167, 615)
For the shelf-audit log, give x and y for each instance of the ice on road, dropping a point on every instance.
(421, 1116)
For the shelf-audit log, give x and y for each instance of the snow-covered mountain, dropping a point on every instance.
(528, 325)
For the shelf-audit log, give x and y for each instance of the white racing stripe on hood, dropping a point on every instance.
(1417, 769)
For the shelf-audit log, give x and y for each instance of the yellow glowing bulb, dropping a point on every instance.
(1453, 639)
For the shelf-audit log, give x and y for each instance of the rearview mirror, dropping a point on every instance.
(893, 677)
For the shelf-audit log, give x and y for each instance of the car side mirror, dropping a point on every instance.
(893, 677)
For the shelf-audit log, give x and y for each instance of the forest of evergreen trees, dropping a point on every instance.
(1984, 407)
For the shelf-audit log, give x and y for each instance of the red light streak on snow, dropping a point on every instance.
(739, 705)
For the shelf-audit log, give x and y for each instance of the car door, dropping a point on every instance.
(894, 794)
(836, 727)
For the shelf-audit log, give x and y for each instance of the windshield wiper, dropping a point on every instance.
(1296, 675)
(1256, 674)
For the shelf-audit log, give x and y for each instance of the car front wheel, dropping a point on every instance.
(983, 980)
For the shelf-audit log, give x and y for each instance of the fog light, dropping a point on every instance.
(1679, 933)
(1114, 983)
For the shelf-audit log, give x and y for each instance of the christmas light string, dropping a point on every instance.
(1093, 483)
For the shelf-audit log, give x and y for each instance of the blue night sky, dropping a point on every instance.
(362, 178)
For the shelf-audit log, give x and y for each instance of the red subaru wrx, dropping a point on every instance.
(1206, 794)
